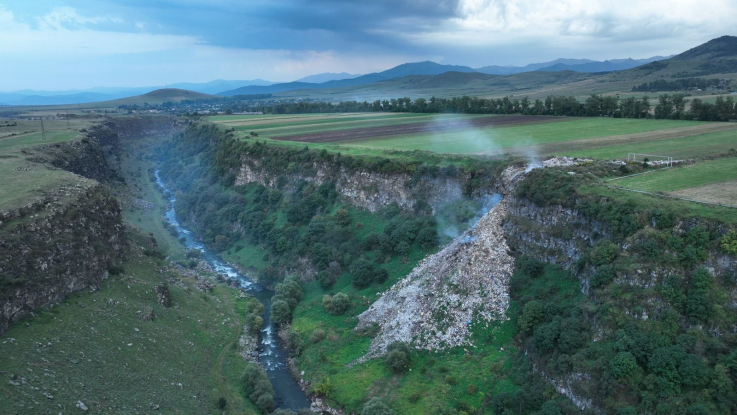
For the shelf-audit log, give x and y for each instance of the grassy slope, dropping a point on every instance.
(25, 182)
(94, 348)
(88, 359)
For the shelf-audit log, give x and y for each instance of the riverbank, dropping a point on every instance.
(272, 355)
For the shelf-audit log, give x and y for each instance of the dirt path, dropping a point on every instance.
(10, 137)
(608, 141)
(420, 128)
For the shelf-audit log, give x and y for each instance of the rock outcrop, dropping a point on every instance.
(60, 250)
(366, 189)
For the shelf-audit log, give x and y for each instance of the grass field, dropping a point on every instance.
(26, 182)
(384, 133)
(514, 138)
(677, 178)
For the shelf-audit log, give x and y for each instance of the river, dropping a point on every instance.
(272, 353)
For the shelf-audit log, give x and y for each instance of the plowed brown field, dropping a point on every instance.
(420, 128)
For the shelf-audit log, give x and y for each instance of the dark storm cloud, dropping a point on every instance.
(300, 24)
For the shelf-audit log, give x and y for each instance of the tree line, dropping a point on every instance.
(682, 84)
(667, 107)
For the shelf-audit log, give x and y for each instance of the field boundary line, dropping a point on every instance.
(669, 196)
(638, 174)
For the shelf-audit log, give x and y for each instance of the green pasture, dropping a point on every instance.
(497, 140)
(677, 178)
(696, 146)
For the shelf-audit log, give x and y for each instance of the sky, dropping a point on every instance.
(78, 44)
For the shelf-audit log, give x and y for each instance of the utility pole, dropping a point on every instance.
(68, 124)
(43, 130)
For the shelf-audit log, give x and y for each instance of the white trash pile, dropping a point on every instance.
(433, 307)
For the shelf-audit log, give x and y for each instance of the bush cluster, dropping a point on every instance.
(257, 387)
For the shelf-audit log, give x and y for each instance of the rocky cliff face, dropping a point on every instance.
(366, 189)
(63, 249)
(560, 235)
(66, 240)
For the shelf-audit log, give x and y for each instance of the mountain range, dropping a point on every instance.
(432, 68)
(564, 76)
(327, 76)
(97, 94)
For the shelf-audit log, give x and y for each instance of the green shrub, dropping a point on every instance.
(603, 254)
(375, 406)
(529, 267)
(623, 365)
(323, 387)
(532, 314)
(729, 243)
(222, 403)
(602, 277)
(398, 357)
(336, 305)
(257, 387)
(317, 336)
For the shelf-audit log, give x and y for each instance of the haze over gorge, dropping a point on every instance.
(460, 208)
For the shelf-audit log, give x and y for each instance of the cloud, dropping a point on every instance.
(66, 17)
(67, 50)
(281, 40)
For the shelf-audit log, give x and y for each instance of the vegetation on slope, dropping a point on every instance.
(299, 226)
(654, 334)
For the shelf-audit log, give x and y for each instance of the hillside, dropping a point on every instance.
(452, 84)
(407, 69)
(717, 56)
(715, 59)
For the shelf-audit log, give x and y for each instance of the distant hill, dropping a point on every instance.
(605, 66)
(158, 96)
(511, 70)
(717, 56)
(576, 65)
(81, 98)
(213, 87)
(98, 94)
(325, 77)
(418, 68)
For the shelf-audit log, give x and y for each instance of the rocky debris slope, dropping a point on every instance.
(433, 307)
(466, 282)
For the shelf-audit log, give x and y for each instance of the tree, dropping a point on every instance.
(375, 406)
(258, 388)
(550, 408)
(281, 313)
(623, 365)
(342, 217)
(363, 273)
(532, 314)
(337, 305)
(398, 357)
